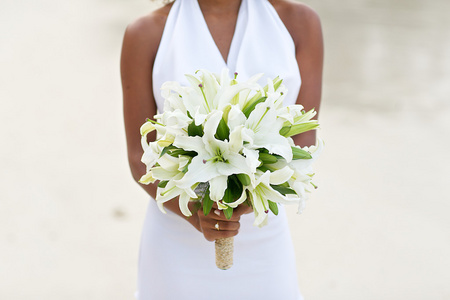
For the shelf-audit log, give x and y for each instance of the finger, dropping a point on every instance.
(243, 209)
(212, 235)
(218, 215)
(237, 213)
(219, 212)
(226, 226)
(215, 229)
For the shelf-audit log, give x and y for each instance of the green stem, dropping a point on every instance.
(154, 122)
(267, 109)
(165, 192)
(204, 96)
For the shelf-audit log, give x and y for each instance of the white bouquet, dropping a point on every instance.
(228, 142)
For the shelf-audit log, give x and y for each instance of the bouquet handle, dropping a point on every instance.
(224, 253)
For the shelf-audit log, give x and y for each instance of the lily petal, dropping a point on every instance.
(211, 125)
(184, 204)
(147, 178)
(190, 143)
(198, 171)
(236, 139)
(218, 185)
(163, 174)
(281, 176)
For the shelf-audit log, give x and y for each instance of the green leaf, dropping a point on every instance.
(247, 111)
(167, 149)
(285, 130)
(276, 83)
(305, 116)
(273, 207)
(299, 128)
(185, 169)
(162, 184)
(235, 186)
(196, 208)
(178, 152)
(253, 99)
(232, 193)
(227, 196)
(300, 153)
(223, 132)
(267, 158)
(194, 130)
(234, 189)
(228, 212)
(244, 179)
(265, 168)
(226, 112)
(285, 184)
(207, 203)
(235, 99)
(175, 151)
(282, 189)
(248, 201)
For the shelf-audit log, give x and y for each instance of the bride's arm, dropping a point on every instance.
(303, 24)
(139, 49)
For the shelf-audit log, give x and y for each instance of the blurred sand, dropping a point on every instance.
(71, 216)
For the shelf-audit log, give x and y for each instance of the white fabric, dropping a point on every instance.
(261, 44)
(176, 262)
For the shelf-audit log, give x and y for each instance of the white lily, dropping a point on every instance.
(305, 165)
(169, 125)
(262, 130)
(168, 167)
(289, 112)
(147, 178)
(206, 94)
(235, 92)
(216, 159)
(151, 155)
(275, 97)
(170, 91)
(175, 119)
(171, 190)
(173, 92)
(235, 117)
(301, 123)
(145, 129)
(300, 181)
(262, 192)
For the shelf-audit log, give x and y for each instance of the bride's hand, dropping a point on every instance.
(215, 225)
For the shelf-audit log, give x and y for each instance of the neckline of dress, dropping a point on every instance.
(211, 38)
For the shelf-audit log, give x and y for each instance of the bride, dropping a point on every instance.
(275, 37)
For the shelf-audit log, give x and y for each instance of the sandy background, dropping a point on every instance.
(71, 216)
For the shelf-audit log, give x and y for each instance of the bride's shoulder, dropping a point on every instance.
(300, 19)
(294, 9)
(156, 18)
(148, 29)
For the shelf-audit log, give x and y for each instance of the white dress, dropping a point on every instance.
(176, 262)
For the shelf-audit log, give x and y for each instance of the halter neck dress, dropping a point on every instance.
(175, 260)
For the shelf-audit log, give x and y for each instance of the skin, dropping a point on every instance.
(140, 44)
